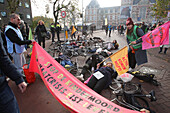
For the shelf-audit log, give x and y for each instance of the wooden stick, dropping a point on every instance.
(110, 56)
(135, 40)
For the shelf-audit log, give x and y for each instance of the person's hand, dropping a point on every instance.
(22, 86)
(144, 111)
(131, 47)
(32, 41)
(134, 42)
(98, 65)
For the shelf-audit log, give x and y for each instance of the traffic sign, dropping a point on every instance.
(63, 14)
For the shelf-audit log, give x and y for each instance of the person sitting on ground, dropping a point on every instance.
(64, 60)
(112, 46)
(102, 77)
(115, 44)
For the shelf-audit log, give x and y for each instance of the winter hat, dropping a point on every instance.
(129, 21)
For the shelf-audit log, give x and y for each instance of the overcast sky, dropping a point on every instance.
(38, 8)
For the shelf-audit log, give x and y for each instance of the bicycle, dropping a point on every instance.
(130, 95)
(76, 71)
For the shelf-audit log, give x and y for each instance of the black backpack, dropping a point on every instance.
(145, 77)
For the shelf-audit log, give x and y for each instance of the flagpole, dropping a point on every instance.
(135, 40)
(111, 55)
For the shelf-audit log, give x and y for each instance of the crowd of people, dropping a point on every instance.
(14, 43)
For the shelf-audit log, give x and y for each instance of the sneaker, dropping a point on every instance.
(80, 78)
(8, 79)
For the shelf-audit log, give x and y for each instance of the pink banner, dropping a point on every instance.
(67, 89)
(156, 37)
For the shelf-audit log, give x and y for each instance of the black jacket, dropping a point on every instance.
(7, 68)
(13, 37)
(109, 74)
(40, 29)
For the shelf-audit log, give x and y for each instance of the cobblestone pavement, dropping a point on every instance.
(37, 99)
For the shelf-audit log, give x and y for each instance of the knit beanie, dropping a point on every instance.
(129, 21)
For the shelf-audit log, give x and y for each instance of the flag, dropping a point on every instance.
(73, 30)
(156, 37)
(67, 89)
(120, 60)
(30, 36)
(66, 34)
(105, 21)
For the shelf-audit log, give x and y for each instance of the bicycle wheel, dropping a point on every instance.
(130, 88)
(74, 71)
(115, 86)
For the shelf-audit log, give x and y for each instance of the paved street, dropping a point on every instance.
(37, 98)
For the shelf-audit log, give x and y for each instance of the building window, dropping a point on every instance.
(27, 5)
(3, 13)
(90, 18)
(133, 15)
(90, 11)
(28, 16)
(113, 17)
(111, 10)
(21, 16)
(142, 12)
(1, 1)
(106, 11)
(86, 18)
(20, 4)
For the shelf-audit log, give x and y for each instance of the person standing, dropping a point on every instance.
(153, 27)
(135, 53)
(73, 32)
(52, 28)
(144, 27)
(164, 46)
(113, 28)
(58, 29)
(92, 29)
(15, 41)
(22, 28)
(106, 29)
(41, 33)
(110, 30)
(8, 102)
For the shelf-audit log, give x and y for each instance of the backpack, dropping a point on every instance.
(145, 77)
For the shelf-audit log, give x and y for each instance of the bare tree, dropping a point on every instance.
(13, 5)
(68, 6)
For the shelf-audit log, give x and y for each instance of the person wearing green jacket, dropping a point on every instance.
(135, 53)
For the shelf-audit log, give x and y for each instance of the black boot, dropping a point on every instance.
(165, 50)
(160, 49)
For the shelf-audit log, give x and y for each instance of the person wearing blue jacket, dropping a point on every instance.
(110, 29)
(8, 102)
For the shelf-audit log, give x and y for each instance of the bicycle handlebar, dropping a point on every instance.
(152, 98)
